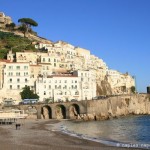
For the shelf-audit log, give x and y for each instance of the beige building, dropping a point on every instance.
(120, 83)
(2, 65)
(4, 20)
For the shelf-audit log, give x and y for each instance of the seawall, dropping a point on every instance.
(138, 104)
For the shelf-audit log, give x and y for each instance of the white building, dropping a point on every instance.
(81, 85)
(16, 76)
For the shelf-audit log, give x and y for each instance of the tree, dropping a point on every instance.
(26, 23)
(11, 26)
(28, 94)
(22, 28)
(133, 89)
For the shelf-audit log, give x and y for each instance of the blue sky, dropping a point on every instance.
(118, 31)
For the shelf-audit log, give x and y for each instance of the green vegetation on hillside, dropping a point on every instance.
(17, 43)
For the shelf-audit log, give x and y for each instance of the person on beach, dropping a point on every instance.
(18, 125)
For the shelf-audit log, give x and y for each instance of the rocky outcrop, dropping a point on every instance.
(103, 88)
(115, 107)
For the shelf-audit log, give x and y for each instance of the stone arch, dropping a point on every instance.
(31, 110)
(60, 112)
(74, 111)
(46, 112)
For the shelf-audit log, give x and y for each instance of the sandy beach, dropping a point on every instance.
(37, 135)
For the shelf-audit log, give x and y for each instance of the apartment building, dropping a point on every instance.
(80, 85)
(16, 76)
(62, 87)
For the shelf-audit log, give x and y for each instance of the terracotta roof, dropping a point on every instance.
(4, 60)
(36, 65)
(68, 76)
(18, 62)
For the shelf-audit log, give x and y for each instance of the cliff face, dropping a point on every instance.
(103, 87)
(118, 106)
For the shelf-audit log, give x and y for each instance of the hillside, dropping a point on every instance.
(9, 40)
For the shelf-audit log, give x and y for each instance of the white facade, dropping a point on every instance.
(16, 76)
(81, 85)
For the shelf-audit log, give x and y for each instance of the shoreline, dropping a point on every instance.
(39, 135)
(105, 142)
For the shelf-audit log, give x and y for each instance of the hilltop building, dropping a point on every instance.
(4, 20)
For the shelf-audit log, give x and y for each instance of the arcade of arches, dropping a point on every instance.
(60, 112)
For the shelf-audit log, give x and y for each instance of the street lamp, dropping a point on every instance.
(134, 77)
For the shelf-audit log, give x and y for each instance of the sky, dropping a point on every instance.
(117, 31)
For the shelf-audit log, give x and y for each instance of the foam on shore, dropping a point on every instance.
(62, 128)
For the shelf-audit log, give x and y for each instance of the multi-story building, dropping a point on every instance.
(87, 83)
(80, 85)
(16, 76)
(58, 87)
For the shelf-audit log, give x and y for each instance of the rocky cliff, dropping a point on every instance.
(118, 106)
(103, 88)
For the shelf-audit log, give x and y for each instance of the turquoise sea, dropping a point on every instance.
(131, 131)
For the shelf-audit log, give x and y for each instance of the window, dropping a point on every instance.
(26, 80)
(18, 86)
(25, 73)
(65, 81)
(17, 73)
(49, 86)
(75, 81)
(10, 67)
(10, 74)
(17, 67)
(43, 59)
(76, 93)
(10, 86)
(54, 64)
(44, 93)
(49, 60)
(18, 80)
(10, 80)
(55, 86)
(25, 67)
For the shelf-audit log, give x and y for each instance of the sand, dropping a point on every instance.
(37, 135)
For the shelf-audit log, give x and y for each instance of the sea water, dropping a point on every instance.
(131, 131)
